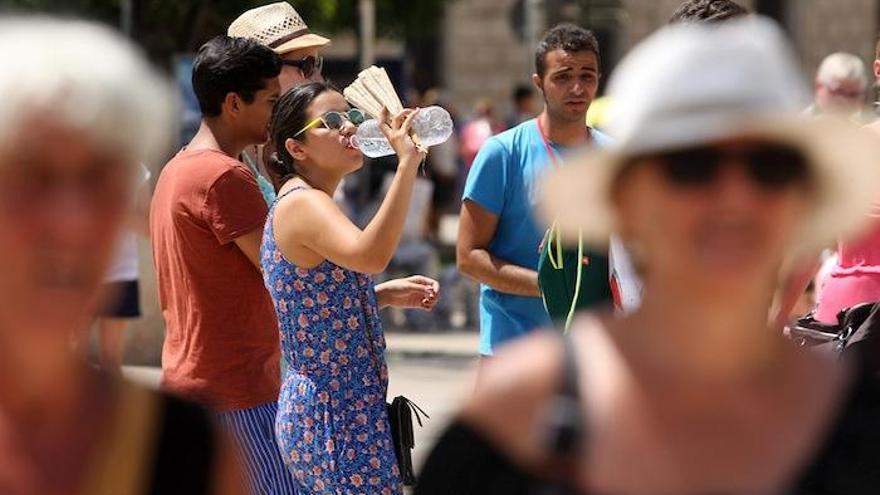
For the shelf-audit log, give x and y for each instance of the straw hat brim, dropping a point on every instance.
(308, 40)
(844, 163)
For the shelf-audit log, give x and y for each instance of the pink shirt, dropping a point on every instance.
(856, 276)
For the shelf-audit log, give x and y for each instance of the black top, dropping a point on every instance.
(848, 463)
(186, 454)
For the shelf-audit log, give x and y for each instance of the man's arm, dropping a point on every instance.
(236, 211)
(475, 232)
(250, 245)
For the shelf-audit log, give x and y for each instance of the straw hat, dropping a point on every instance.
(689, 85)
(277, 26)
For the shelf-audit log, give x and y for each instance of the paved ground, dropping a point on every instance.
(435, 370)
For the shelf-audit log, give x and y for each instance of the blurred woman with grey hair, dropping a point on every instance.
(715, 178)
(81, 109)
(841, 86)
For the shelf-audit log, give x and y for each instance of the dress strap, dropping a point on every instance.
(297, 188)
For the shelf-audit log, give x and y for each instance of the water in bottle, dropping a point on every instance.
(433, 125)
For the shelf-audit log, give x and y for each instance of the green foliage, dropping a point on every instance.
(166, 27)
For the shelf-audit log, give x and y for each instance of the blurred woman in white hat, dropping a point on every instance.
(81, 110)
(713, 182)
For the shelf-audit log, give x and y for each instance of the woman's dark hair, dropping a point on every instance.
(290, 115)
(231, 65)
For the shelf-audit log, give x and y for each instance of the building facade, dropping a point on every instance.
(486, 52)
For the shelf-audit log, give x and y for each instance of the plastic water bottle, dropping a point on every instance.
(433, 125)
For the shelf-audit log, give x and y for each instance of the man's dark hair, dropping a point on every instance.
(291, 115)
(707, 11)
(231, 65)
(566, 37)
(522, 92)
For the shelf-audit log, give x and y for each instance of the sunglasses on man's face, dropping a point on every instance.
(308, 66)
(771, 166)
(335, 120)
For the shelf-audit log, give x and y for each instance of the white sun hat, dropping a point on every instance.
(278, 26)
(690, 85)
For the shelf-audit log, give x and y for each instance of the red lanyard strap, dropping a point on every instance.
(550, 152)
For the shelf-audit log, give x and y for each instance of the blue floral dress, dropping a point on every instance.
(332, 426)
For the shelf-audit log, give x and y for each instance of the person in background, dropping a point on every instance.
(280, 27)
(523, 105)
(707, 11)
(841, 87)
(475, 132)
(850, 274)
(122, 290)
(443, 166)
(499, 241)
(81, 110)
(854, 274)
(206, 223)
(876, 86)
(717, 176)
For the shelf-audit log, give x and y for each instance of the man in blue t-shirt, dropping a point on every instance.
(499, 239)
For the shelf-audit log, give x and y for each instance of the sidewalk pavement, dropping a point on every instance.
(451, 345)
(413, 344)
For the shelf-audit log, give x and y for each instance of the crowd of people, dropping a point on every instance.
(635, 280)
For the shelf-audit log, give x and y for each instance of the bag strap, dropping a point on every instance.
(413, 407)
(565, 425)
(564, 430)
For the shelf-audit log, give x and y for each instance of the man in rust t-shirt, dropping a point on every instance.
(221, 344)
(206, 219)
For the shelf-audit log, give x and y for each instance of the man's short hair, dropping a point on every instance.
(707, 11)
(231, 65)
(839, 67)
(566, 37)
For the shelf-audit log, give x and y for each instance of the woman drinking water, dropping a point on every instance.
(332, 425)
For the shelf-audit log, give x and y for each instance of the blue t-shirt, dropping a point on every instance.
(504, 180)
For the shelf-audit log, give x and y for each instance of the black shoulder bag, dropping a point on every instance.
(400, 414)
(853, 331)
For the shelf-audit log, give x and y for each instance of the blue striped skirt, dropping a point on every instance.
(254, 432)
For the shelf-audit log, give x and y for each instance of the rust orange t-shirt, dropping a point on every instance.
(221, 334)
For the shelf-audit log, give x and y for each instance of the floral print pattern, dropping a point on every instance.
(332, 426)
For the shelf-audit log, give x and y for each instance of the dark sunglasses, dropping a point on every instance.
(335, 120)
(770, 166)
(309, 65)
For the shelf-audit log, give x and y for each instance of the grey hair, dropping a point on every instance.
(87, 77)
(841, 66)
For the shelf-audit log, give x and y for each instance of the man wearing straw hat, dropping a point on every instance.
(280, 27)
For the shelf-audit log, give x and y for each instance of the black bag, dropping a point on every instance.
(854, 329)
(400, 412)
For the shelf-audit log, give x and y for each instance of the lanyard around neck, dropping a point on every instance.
(556, 258)
(551, 153)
